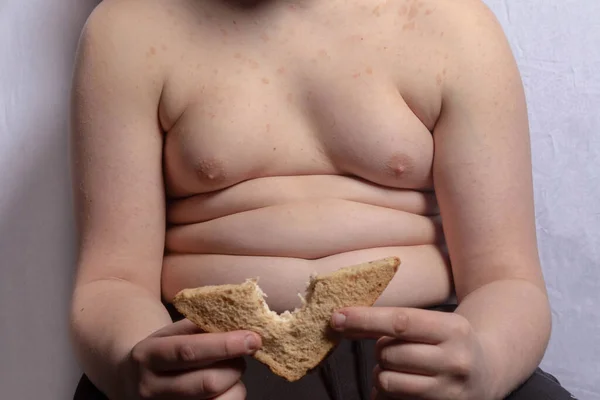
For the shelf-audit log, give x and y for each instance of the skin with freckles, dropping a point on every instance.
(215, 141)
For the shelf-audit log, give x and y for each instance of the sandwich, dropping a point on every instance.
(294, 342)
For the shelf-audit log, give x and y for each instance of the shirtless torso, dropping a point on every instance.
(217, 140)
(298, 140)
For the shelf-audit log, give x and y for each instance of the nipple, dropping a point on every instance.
(398, 164)
(210, 169)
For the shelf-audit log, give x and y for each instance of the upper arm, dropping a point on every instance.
(116, 147)
(482, 163)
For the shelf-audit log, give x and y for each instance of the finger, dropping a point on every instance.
(399, 385)
(199, 384)
(413, 358)
(410, 324)
(177, 353)
(237, 392)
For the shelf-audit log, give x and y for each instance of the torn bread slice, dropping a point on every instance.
(296, 342)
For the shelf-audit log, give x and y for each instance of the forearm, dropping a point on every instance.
(513, 321)
(108, 318)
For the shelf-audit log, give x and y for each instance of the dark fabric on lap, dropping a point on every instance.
(87, 391)
(543, 386)
(338, 378)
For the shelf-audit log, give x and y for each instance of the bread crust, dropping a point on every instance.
(294, 342)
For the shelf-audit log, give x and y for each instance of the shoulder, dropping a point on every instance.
(479, 56)
(473, 34)
(121, 23)
(118, 46)
(466, 24)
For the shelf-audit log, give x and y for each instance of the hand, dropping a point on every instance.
(179, 362)
(421, 354)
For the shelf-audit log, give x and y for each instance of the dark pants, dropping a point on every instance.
(345, 375)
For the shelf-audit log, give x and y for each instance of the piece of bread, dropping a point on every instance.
(296, 342)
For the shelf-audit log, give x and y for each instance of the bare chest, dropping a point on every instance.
(269, 103)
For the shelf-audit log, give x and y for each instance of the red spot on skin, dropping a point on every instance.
(281, 70)
(376, 11)
(403, 11)
(152, 50)
(414, 10)
(265, 37)
(238, 56)
(164, 47)
(224, 32)
(442, 34)
(253, 64)
(438, 80)
(322, 53)
(410, 26)
(356, 75)
(292, 7)
(290, 98)
(428, 12)
(369, 70)
(265, 81)
(268, 127)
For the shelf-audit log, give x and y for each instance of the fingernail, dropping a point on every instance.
(338, 320)
(251, 343)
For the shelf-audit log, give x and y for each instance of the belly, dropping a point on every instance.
(282, 237)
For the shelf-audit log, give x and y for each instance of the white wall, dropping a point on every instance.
(557, 43)
(37, 44)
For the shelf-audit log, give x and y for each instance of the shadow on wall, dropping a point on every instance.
(36, 222)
